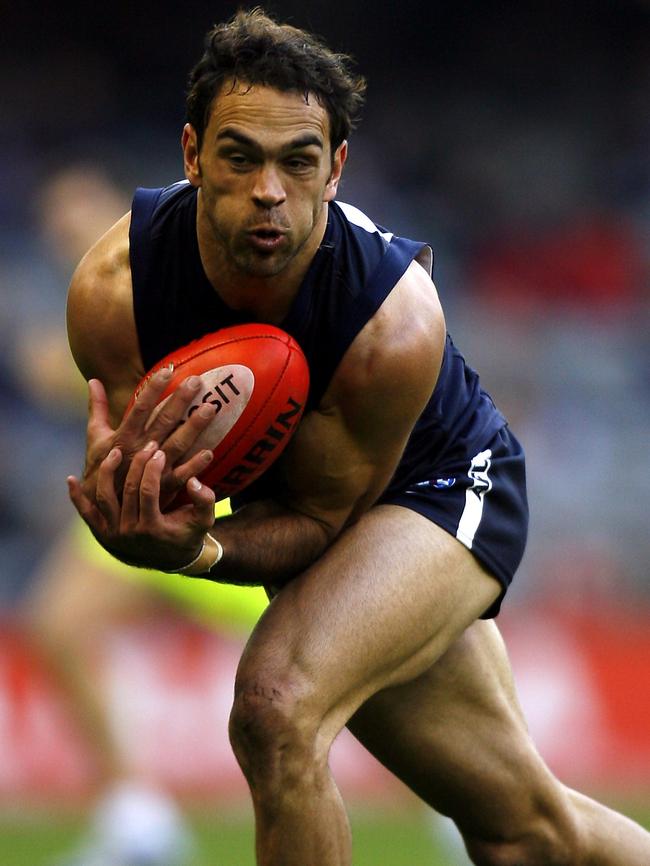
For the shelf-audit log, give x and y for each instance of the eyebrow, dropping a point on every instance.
(307, 140)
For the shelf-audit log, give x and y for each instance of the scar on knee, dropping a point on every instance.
(259, 690)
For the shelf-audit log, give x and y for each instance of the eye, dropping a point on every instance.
(298, 163)
(238, 160)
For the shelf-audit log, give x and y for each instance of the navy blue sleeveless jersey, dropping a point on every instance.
(461, 468)
(355, 268)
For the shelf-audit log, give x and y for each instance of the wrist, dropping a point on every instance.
(209, 555)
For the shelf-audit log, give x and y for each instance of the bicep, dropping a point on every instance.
(345, 454)
(100, 321)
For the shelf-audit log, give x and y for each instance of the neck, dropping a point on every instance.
(266, 298)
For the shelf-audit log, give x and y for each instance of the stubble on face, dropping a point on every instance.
(233, 240)
(235, 209)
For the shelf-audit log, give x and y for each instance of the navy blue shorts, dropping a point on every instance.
(481, 502)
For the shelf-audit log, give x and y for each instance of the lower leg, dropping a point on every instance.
(305, 824)
(74, 602)
(300, 819)
(469, 755)
(610, 839)
(71, 658)
(586, 833)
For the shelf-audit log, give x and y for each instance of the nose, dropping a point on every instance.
(268, 190)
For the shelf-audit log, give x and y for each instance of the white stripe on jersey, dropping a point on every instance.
(474, 495)
(358, 218)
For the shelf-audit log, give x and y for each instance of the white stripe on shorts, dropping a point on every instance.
(474, 495)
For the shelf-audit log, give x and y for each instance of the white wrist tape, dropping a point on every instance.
(209, 555)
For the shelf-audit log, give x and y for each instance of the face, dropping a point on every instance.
(265, 172)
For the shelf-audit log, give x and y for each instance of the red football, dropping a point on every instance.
(258, 379)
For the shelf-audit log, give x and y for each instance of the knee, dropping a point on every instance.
(274, 730)
(547, 840)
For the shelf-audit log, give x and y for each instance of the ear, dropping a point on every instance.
(191, 155)
(338, 161)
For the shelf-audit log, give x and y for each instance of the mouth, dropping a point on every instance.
(266, 238)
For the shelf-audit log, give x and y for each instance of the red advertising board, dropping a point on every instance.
(584, 682)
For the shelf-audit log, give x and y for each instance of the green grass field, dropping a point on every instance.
(381, 838)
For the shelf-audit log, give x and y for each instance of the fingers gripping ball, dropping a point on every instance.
(257, 378)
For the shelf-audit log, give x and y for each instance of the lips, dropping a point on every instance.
(266, 238)
(268, 230)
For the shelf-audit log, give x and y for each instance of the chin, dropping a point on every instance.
(268, 269)
(263, 266)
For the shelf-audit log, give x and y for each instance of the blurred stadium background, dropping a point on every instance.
(515, 137)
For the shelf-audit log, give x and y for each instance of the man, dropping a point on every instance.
(78, 592)
(398, 514)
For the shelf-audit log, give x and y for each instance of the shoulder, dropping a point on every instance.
(384, 265)
(101, 325)
(391, 368)
(405, 336)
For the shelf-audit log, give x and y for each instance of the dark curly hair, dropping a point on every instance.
(252, 49)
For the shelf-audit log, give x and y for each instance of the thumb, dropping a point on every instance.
(98, 409)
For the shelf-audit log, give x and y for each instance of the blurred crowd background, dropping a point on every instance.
(514, 137)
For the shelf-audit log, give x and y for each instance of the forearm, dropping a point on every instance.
(266, 543)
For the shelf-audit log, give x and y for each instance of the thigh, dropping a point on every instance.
(457, 737)
(76, 594)
(377, 609)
